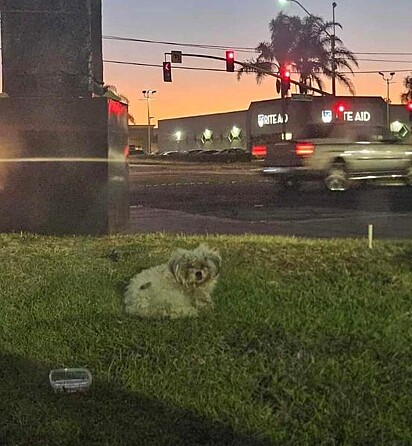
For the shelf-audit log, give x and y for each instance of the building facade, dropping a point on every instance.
(139, 138)
(216, 131)
(269, 121)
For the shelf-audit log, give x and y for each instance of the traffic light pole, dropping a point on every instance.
(283, 105)
(257, 69)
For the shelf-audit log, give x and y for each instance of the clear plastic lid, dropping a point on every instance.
(70, 380)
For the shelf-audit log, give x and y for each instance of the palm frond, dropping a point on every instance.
(342, 78)
(407, 95)
(259, 68)
(306, 44)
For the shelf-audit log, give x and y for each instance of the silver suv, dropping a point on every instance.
(339, 154)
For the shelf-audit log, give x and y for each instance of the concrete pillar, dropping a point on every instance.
(63, 165)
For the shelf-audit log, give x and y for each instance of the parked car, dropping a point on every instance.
(194, 151)
(233, 154)
(133, 150)
(208, 152)
(172, 154)
(206, 155)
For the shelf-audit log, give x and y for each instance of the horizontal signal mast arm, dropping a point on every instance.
(260, 70)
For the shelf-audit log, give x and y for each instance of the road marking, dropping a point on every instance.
(198, 183)
(330, 218)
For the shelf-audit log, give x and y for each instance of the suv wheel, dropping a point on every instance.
(337, 178)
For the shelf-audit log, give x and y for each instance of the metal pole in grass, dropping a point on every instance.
(370, 236)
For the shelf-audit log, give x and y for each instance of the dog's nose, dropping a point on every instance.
(199, 275)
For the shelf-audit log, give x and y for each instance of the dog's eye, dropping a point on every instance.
(146, 285)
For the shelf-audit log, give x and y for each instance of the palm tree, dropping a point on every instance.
(306, 45)
(407, 96)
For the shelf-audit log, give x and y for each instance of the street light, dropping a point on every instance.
(147, 95)
(332, 37)
(388, 98)
(283, 2)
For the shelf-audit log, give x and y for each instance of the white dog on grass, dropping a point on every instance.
(180, 288)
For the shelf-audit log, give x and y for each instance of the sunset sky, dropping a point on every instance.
(369, 26)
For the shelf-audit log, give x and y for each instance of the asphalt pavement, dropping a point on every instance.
(234, 199)
(149, 220)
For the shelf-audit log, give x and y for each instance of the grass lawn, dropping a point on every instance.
(310, 344)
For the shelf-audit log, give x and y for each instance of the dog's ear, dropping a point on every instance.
(175, 265)
(216, 260)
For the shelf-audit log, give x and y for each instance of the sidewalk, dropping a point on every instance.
(147, 220)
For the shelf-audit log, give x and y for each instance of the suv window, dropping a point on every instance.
(351, 133)
(316, 131)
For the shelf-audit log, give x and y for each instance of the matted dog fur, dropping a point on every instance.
(180, 288)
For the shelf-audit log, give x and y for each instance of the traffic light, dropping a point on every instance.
(285, 80)
(409, 108)
(339, 109)
(230, 61)
(167, 72)
(303, 89)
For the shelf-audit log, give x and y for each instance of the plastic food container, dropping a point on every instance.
(77, 380)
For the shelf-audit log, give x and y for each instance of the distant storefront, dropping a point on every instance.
(269, 121)
(139, 138)
(216, 131)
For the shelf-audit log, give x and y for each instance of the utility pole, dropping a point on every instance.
(147, 95)
(333, 48)
(388, 98)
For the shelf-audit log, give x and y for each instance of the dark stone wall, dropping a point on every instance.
(63, 168)
(51, 47)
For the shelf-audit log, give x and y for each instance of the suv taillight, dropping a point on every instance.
(304, 148)
(259, 151)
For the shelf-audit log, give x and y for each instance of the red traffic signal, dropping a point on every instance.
(339, 109)
(285, 73)
(230, 61)
(285, 80)
(167, 72)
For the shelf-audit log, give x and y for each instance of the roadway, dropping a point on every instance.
(237, 199)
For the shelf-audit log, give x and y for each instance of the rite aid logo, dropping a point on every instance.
(350, 116)
(327, 116)
(274, 119)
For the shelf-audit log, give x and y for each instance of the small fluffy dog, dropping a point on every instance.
(180, 288)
